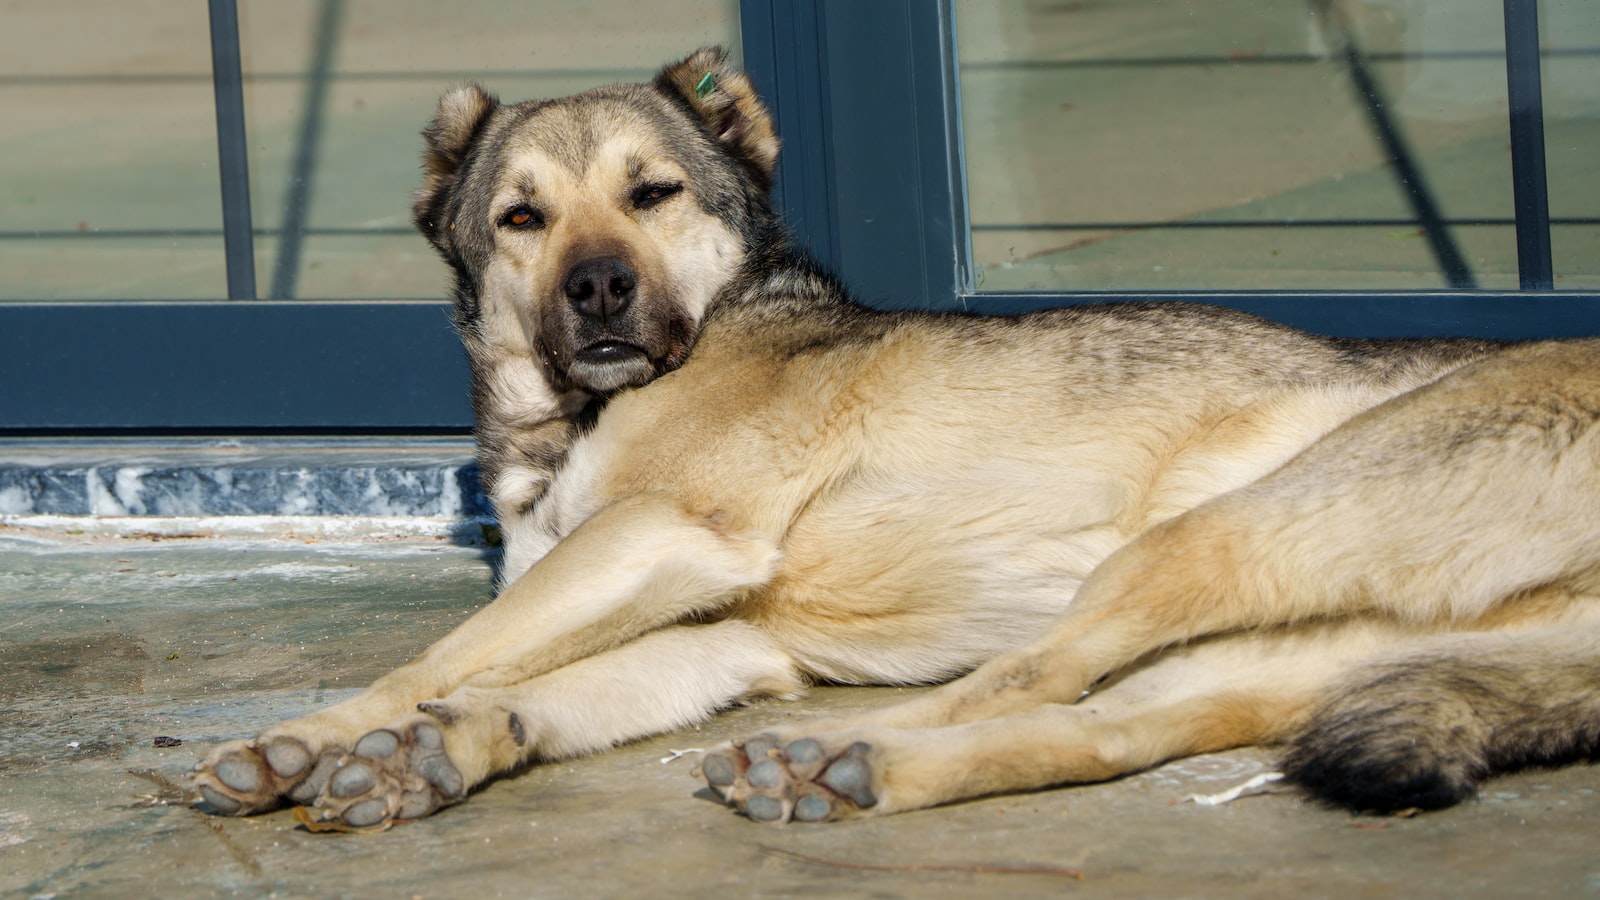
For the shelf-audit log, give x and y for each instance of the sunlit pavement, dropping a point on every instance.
(125, 658)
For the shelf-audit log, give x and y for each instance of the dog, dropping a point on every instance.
(1116, 534)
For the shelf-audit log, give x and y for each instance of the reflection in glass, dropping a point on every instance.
(109, 153)
(1570, 38)
(1332, 144)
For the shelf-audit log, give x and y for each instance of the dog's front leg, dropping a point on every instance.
(639, 564)
(664, 680)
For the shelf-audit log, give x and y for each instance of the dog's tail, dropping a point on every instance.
(1422, 732)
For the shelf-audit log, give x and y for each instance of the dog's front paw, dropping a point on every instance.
(810, 779)
(242, 778)
(391, 774)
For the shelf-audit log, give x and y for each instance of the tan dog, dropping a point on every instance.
(1151, 530)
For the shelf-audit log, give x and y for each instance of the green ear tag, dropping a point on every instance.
(706, 86)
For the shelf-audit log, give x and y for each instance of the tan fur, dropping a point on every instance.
(1202, 521)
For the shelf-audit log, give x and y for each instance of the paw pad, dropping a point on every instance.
(801, 780)
(392, 773)
(247, 777)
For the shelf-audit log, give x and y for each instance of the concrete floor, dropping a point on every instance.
(110, 643)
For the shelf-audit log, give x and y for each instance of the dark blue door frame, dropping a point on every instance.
(233, 367)
(876, 165)
(871, 176)
(1525, 98)
(233, 157)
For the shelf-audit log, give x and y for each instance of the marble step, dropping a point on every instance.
(371, 477)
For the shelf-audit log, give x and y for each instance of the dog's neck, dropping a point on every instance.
(776, 267)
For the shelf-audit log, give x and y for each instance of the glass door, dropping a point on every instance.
(1357, 167)
(1354, 145)
(188, 249)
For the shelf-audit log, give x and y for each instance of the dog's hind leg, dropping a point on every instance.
(635, 566)
(665, 680)
(1216, 695)
(877, 771)
(1435, 507)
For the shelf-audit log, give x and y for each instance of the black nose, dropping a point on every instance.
(600, 288)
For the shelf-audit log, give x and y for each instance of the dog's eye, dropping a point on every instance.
(525, 218)
(648, 195)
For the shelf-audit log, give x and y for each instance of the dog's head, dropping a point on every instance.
(589, 233)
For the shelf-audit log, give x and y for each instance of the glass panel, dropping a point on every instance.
(1238, 144)
(108, 154)
(338, 92)
(1570, 38)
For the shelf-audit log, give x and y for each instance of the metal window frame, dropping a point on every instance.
(233, 154)
(1525, 99)
(871, 171)
(866, 99)
(233, 367)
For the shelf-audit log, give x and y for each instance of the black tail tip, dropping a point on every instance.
(1378, 786)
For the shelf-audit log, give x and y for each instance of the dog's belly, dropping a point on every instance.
(915, 572)
(893, 582)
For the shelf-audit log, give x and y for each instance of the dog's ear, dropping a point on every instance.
(726, 100)
(462, 113)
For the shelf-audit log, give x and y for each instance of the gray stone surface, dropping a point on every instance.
(109, 643)
(433, 477)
